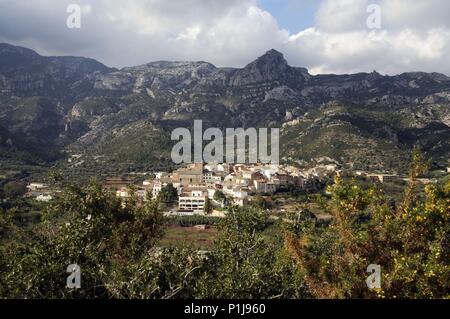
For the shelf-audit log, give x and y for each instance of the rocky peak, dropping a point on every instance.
(271, 58)
(272, 66)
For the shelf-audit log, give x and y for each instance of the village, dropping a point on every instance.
(196, 184)
(222, 184)
(207, 188)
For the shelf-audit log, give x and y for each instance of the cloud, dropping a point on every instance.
(341, 15)
(384, 51)
(415, 34)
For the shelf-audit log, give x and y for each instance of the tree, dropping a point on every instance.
(244, 264)
(168, 194)
(259, 202)
(219, 196)
(410, 243)
(208, 206)
(55, 177)
(14, 189)
(87, 226)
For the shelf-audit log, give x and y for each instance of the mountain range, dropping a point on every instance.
(106, 119)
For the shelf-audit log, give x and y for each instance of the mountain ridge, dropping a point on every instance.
(93, 105)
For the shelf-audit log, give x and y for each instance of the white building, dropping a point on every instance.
(210, 178)
(37, 186)
(122, 193)
(193, 201)
(240, 196)
(44, 198)
(239, 192)
(157, 188)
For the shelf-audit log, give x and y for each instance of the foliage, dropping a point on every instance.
(86, 226)
(244, 264)
(259, 202)
(410, 243)
(219, 196)
(208, 206)
(116, 244)
(162, 273)
(168, 194)
(14, 189)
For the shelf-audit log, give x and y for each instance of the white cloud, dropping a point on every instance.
(342, 15)
(385, 51)
(415, 34)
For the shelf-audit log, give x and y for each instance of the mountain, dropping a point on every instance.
(121, 119)
(25, 73)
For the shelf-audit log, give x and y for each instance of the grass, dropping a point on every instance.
(189, 236)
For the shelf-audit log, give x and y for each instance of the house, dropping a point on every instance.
(226, 168)
(306, 182)
(263, 187)
(240, 192)
(247, 174)
(282, 178)
(211, 178)
(270, 170)
(160, 175)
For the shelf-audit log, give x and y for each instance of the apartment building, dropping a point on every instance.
(193, 200)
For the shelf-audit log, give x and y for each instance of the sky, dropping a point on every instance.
(325, 36)
(292, 15)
